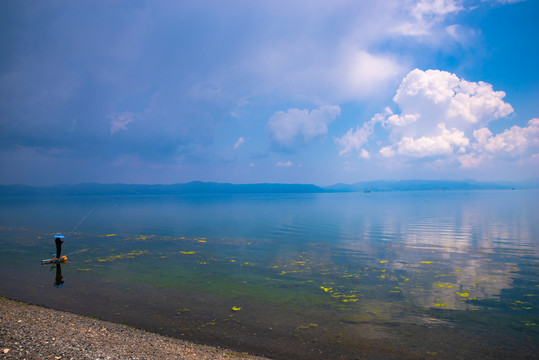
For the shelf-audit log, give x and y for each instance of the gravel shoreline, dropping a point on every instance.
(34, 332)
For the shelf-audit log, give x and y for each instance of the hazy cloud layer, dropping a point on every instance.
(288, 129)
(425, 14)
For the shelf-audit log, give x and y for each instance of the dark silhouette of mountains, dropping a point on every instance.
(194, 187)
(197, 187)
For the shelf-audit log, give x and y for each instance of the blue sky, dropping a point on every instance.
(268, 91)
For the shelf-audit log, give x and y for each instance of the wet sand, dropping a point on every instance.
(34, 332)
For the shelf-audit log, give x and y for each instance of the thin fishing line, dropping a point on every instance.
(76, 252)
(81, 221)
(75, 228)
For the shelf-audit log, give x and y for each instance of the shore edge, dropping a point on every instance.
(35, 332)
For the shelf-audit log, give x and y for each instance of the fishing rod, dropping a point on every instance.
(68, 235)
(71, 253)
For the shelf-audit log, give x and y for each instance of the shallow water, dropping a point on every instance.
(313, 276)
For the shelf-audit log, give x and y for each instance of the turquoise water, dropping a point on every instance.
(310, 276)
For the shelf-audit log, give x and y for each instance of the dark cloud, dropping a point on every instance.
(73, 69)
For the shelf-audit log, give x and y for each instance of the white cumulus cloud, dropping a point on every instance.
(447, 142)
(513, 141)
(442, 117)
(356, 139)
(432, 97)
(286, 129)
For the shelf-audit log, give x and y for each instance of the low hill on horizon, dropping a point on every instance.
(422, 185)
(198, 187)
(194, 187)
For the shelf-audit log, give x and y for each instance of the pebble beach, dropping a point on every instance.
(34, 332)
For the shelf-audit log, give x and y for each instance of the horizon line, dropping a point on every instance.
(281, 183)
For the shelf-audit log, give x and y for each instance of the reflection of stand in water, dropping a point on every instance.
(59, 280)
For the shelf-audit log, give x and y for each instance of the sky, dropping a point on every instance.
(303, 91)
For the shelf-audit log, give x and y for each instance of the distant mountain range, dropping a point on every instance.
(421, 185)
(197, 187)
(194, 187)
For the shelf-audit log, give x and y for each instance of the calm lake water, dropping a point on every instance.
(313, 276)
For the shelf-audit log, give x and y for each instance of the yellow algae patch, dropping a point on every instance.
(110, 235)
(443, 285)
(326, 289)
(136, 253)
(129, 255)
(236, 308)
(383, 261)
(463, 294)
(303, 327)
(188, 252)
(181, 311)
(426, 262)
(343, 297)
(84, 269)
(201, 241)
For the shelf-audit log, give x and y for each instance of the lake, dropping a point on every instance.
(382, 275)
